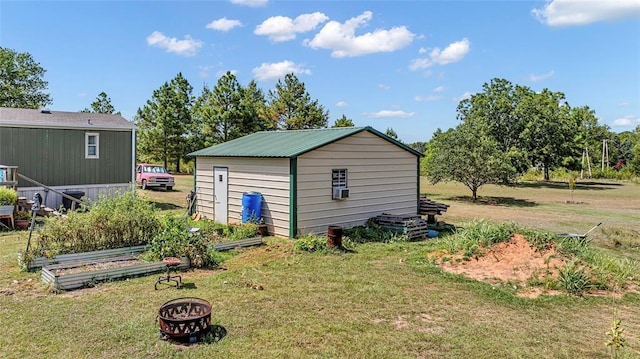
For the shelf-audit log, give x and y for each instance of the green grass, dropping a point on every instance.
(384, 300)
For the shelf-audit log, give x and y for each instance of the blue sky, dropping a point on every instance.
(399, 64)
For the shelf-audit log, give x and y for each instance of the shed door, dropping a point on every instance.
(220, 183)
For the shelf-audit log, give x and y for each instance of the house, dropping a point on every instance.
(309, 179)
(67, 151)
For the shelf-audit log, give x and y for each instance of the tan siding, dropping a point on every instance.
(268, 176)
(382, 177)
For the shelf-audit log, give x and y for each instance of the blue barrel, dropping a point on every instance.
(251, 207)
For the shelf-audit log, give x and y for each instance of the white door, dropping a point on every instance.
(220, 194)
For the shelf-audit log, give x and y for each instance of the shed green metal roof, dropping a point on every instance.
(288, 144)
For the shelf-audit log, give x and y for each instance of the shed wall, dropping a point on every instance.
(269, 176)
(382, 177)
(56, 157)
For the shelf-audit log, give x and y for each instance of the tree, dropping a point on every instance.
(228, 111)
(467, 154)
(495, 106)
(290, 106)
(343, 122)
(391, 133)
(547, 136)
(102, 104)
(165, 123)
(21, 81)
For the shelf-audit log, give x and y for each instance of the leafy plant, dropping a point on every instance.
(110, 222)
(312, 243)
(616, 340)
(372, 232)
(174, 240)
(8, 196)
(574, 278)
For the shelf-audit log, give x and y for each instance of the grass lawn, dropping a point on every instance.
(382, 301)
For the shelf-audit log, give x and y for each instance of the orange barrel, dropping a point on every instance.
(335, 236)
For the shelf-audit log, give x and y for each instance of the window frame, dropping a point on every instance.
(87, 145)
(339, 182)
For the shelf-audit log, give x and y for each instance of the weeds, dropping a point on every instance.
(312, 243)
(372, 232)
(574, 278)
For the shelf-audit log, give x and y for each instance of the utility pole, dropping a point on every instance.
(585, 155)
(605, 154)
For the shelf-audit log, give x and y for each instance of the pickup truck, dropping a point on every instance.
(150, 175)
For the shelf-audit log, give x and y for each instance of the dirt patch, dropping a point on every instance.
(515, 261)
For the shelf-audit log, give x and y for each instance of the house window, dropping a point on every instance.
(339, 178)
(91, 145)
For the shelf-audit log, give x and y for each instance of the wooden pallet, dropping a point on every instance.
(414, 227)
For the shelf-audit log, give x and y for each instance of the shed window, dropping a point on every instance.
(91, 145)
(339, 178)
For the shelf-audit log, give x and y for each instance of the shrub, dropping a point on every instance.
(174, 240)
(8, 196)
(110, 222)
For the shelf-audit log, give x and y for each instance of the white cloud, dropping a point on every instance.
(422, 50)
(282, 28)
(536, 78)
(251, 3)
(623, 104)
(439, 89)
(223, 24)
(452, 53)
(186, 47)
(390, 114)
(582, 12)
(628, 120)
(266, 72)
(343, 42)
(429, 98)
(384, 87)
(342, 104)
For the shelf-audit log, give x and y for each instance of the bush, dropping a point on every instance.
(574, 278)
(174, 240)
(8, 196)
(110, 222)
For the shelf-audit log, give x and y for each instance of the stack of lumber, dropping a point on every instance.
(25, 204)
(414, 227)
(431, 209)
(428, 206)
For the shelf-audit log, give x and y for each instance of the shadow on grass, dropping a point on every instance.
(164, 206)
(596, 186)
(495, 201)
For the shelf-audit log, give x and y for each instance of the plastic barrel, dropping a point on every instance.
(251, 207)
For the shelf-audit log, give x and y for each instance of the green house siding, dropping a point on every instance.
(56, 157)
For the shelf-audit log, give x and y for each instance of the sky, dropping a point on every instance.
(386, 64)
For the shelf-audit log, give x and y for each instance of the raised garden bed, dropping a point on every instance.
(72, 271)
(73, 275)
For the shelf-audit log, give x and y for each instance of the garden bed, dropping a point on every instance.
(74, 275)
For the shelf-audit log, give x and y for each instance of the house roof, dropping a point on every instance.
(288, 144)
(21, 117)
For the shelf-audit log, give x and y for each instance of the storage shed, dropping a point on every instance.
(68, 151)
(309, 179)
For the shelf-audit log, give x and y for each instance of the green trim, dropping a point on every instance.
(293, 197)
(418, 184)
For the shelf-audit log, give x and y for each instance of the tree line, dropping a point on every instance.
(508, 129)
(504, 131)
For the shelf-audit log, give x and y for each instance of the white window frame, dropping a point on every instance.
(339, 178)
(87, 135)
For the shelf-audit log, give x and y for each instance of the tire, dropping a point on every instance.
(169, 188)
(144, 184)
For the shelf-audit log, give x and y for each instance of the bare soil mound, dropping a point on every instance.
(514, 261)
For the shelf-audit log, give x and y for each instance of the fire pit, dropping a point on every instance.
(185, 319)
